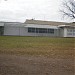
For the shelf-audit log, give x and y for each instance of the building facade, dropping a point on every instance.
(38, 28)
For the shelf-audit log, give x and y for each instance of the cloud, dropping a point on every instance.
(19, 10)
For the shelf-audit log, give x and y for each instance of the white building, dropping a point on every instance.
(38, 28)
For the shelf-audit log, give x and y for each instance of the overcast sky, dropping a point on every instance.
(20, 10)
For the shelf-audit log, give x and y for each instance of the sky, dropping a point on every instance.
(20, 10)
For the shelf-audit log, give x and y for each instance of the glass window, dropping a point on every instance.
(1, 30)
(44, 30)
(50, 30)
(40, 30)
(31, 30)
(69, 33)
(74, 34)
(37, 30)
(69, 30)
(74, 30)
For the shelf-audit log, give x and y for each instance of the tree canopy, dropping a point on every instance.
(68, 8)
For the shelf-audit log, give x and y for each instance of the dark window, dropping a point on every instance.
(37, 30)
(40, 30)
(31, 30)
(1, 30)
(50, 30)
(74, 34)
(69, 33)
(74, 30)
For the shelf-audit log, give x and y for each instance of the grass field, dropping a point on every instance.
(36, 56)
(37, 46)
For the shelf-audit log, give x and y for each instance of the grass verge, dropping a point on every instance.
(37, 46)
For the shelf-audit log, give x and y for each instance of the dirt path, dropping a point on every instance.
(30, 65)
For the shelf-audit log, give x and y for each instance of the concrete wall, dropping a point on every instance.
(1, 23)
(23, 31)
(11, 30)
(65, 32)
(61, 32)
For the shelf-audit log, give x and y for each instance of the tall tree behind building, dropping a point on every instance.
(68, 9)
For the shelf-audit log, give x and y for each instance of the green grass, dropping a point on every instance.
(37, 46)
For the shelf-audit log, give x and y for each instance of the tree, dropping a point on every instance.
(68, 9)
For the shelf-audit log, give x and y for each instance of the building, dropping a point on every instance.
(1, 28)
(38, 28)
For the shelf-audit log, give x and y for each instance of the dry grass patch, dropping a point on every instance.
(38, 46)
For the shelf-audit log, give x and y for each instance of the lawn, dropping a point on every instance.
(37, 46)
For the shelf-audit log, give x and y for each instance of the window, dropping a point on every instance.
(37, 30)
(69, 33)
(69, 30)
(40, 30)
(74, 34)
(50, 30)
(1, 30)
(74, 30)
(31, 30)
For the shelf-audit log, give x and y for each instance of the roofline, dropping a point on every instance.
(42, 22)
(62, 26)
(9, 22)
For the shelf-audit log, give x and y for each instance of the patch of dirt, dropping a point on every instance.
(31, 65)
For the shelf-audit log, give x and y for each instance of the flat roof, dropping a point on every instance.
(41, 26)
(66, 26)
(41, 22)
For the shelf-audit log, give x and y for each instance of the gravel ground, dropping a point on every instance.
(35, 65)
